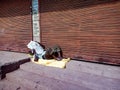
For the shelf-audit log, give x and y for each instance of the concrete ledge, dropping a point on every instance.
(95, 68)
(11, 61)
(40, 82)
(2, 75)
(8, 85)
(77, 76)
(9, 67)
(6, 68)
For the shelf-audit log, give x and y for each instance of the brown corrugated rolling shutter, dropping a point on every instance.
(15, 25)
(85, 29)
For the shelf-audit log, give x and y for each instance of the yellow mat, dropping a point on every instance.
(53, 62)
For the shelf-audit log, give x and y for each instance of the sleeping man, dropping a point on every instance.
(39, 52)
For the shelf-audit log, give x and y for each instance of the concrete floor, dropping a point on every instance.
(6, 57)
(77, 75)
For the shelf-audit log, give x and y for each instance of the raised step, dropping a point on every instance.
(11, 61)
(33, 81)
(74, 76)
(95, 68)
(8, 85)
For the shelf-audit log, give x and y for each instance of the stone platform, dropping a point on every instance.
(10, 61)
(77, 75)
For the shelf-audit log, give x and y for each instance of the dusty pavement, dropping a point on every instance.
(10, 61)
(78, 75)
(6, 57)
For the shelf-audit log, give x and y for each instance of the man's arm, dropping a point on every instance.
(59, 57)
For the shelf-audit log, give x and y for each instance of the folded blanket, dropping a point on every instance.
(53, 62)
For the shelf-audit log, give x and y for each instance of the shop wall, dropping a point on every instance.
(15, 25)
(85, 29)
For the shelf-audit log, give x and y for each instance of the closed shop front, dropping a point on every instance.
(85, 29)
(15, 25)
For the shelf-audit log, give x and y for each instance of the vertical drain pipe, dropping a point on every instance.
(35, 20)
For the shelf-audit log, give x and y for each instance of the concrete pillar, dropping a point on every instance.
(35, 20)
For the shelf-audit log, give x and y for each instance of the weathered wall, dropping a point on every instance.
(15, 25)
(87, 29)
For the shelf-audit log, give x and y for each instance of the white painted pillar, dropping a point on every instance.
(35, 20)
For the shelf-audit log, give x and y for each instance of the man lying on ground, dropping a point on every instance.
(39, 52)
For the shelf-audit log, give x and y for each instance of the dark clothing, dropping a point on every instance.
(53, 52)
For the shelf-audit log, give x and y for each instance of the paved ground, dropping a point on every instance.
(6, 57)
(10, 61)
(78, 75)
